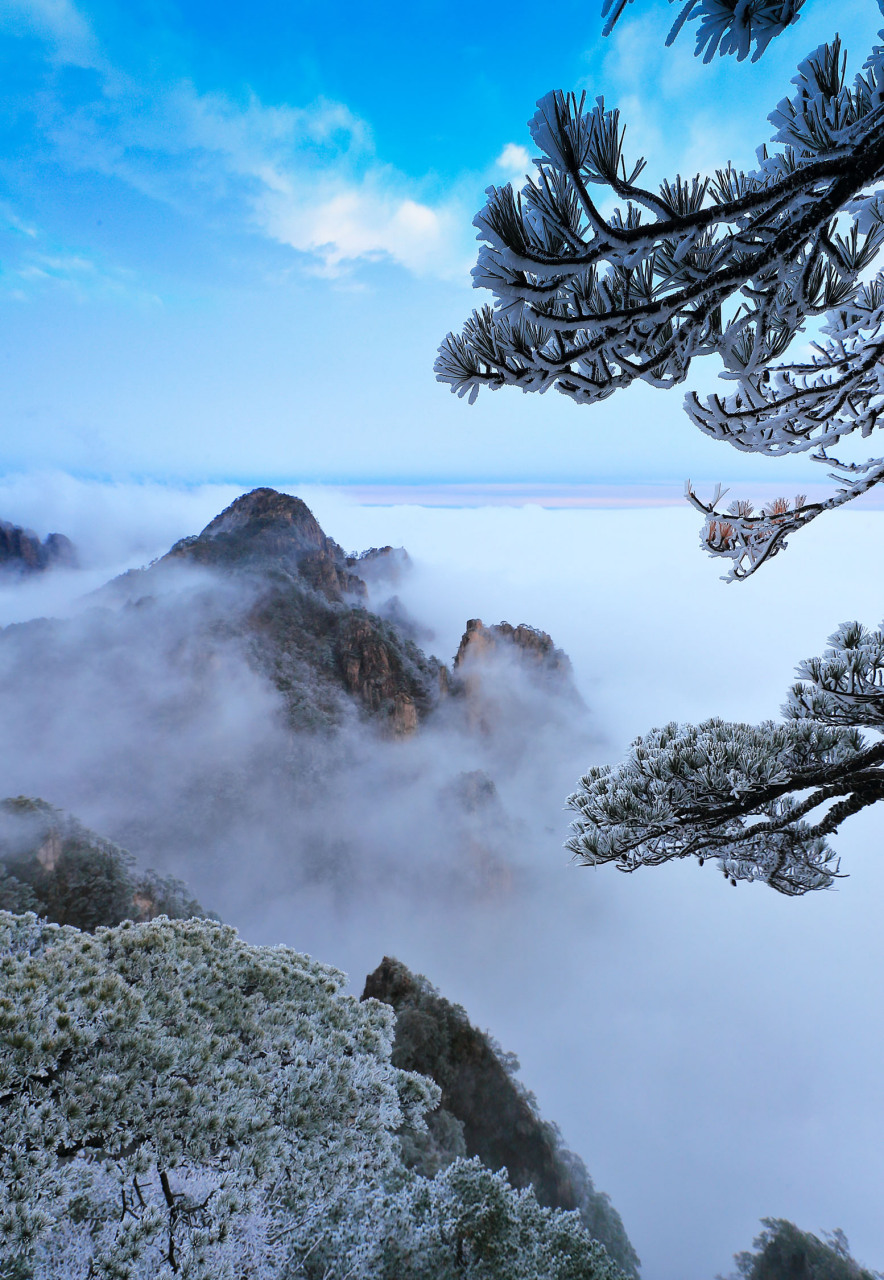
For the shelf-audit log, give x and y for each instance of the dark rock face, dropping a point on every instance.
(484, 1110)
(307, 627)
(22, 551)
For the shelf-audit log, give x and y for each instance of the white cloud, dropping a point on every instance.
(304, 176)
(313, 182)
(366, 221)
(60, 24)
(515, 160)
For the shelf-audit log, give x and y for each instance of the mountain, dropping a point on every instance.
(256, 698)
(21, 551)
(51, 864)
(302, 616)
(485, 1110)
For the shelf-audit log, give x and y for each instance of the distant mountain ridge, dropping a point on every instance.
(21, 550)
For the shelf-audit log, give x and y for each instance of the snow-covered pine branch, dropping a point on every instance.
(726, 26)
(732, 265)
(760, 799)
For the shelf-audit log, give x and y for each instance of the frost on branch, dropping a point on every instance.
(761, 799)
(732, 265)
(726, 26)
(177, 1102)
(846, 685)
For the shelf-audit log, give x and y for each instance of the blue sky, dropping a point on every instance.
(231, 236)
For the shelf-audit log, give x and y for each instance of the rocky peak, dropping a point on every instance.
(532, 647)
(277, 518)
(510, 674)
(22, 551)
(267, 530)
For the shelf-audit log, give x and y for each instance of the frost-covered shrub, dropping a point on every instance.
(469, 1222)
(783, 1251)
(178, 1103)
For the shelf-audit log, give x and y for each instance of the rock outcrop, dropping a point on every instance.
(307, 626)
(51, 864)
(21, 551)
(533, 649)
(484, 1110)
(506, 675)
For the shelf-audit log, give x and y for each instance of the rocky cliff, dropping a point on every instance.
(303, 618)
(51, 864)
(511, 678)
(21, 551)
(533, 649)
(485, 1111)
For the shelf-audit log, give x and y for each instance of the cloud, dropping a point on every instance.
(60, 24)
(305, 176)
(32, 263)
(514, 159)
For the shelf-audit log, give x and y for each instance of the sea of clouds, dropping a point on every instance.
(712, 1053)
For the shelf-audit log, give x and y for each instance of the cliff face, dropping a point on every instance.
(51, 864)
(306, 626)
(533, 649)
(22, 551)
(484, 1110)
(510, 678)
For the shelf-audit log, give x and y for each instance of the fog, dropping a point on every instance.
(712, 1053)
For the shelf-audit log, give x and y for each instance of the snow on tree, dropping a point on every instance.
(760, 799)
(177, 1103)
(726, 26)
(734, 265)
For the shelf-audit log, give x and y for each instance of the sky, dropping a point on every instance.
(231, 239)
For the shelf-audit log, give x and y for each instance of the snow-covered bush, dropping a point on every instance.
(177, 1103)
(469, 1222)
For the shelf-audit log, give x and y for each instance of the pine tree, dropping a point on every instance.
(735, 265)
(762, 800)
(177, 1103)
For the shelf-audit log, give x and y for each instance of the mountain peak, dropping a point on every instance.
(21, 550)
(265, 512)
(265, 529)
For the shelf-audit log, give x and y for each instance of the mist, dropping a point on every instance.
(711, 1053)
